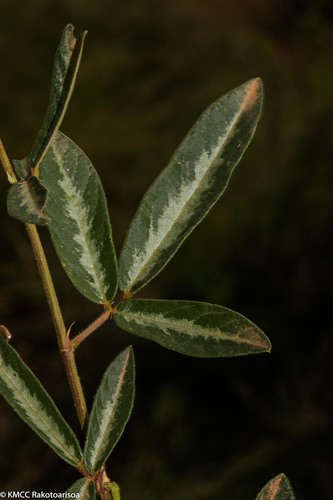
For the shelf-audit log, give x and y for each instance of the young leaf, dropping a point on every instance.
(26, 200)
(78, 219)
(278, 488)
(192, 328)
(111, 410)
(66, 64)
(23, 391)
(85, 488)
(192, 182)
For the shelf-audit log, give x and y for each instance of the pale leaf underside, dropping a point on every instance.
(66, 64)
(26, 199)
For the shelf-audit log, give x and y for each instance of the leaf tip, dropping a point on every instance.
(129, 351)
(5, 333)
(254, 92)
(261, 342)
(257, 84)
(278, 487)
(267, 346)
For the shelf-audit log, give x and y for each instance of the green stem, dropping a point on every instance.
(65, 347)
(7, 165)
(64, 344)
(115, 491)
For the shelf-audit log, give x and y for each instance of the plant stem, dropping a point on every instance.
(65, 347)
(7, 165)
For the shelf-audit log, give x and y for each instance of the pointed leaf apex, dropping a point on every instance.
(278, 488)
(256, 88)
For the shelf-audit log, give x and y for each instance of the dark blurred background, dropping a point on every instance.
(201, 429)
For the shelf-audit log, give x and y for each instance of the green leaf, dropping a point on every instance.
(192, 328)
(26, 201)
(25, 394)
(85, 488)
(78, 219)
(190, 185)
(66, 64)
(111, 410)
(278, 488)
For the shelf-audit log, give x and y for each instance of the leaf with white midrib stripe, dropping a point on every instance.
(25, 394)
(192, 328)
(111, 410)
(78, 219)
(192, 182)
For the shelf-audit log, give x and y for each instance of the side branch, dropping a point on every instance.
(91, 328)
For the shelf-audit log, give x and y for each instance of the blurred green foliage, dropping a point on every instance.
(201, 429)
